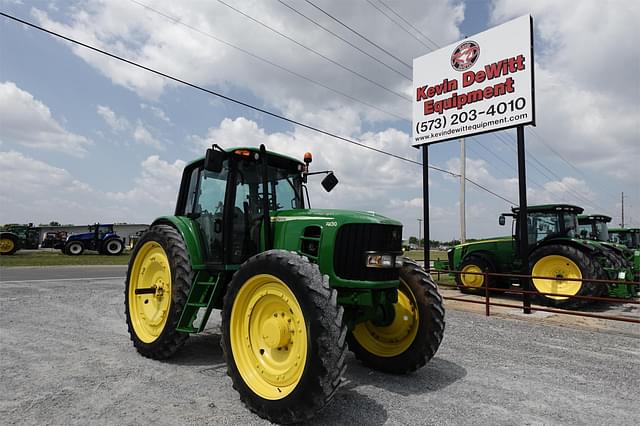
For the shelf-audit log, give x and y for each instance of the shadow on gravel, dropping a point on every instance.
(436, 375)
(351, 407)
(200, 350)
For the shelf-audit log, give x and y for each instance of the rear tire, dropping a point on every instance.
(9, 244)
(560, 261)
(393, 348)
(283, 372)
(160, 261)
(74, 248)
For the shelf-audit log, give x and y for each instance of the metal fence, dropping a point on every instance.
(527, 295)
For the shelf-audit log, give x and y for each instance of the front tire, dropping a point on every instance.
(74, 248)
(113, 247)
(156, 291)
(472, 283)
(283, 336)
(415, 334)
(8, 245)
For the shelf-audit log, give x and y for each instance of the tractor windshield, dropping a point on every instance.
(594, 230)
(629, 239)
(542, 225)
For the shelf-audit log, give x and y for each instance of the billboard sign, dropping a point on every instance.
(478, 85)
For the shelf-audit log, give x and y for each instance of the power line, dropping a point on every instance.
(244, 104)
(220, 95)
(489, 191)
(409, 23)
(398, 24)
(361, 36)
(257, 21)
(344, 40)
(179, 21)
(541, 139)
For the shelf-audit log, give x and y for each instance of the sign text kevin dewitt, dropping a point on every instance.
(481, 84)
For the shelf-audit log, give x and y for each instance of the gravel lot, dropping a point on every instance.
(65, 358)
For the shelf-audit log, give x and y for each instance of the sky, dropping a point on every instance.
(85, 138)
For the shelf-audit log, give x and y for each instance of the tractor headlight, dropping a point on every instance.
(383, 260)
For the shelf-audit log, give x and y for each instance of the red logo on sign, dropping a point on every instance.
(465, 55)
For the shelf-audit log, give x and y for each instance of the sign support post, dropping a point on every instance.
(522, 221)
(425, 205)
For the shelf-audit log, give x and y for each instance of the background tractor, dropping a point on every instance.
(54, 239)
(630, 237)
(14, 237)
(555, 250)
(100, 238)
(295, 285)
(595, 227)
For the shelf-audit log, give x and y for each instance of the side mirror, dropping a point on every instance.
(329, 182)
(501, 220)
(213, 160)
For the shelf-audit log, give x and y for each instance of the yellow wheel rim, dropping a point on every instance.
(268, 337)
(150, 291)
(394, 339)
(559, 267)
(469, 280)
(6, 245)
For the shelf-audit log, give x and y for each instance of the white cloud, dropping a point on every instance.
(142, 135)
(157, 112)
(156, 187)
(587, 81)
(50, 193)
(142, 35)
(26, 121)
(115, 122)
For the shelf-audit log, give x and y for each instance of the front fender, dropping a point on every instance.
(190, 235)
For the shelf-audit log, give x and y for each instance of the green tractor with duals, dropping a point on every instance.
(296, 286)
(14, 237)
(595, 227)
(555, 250)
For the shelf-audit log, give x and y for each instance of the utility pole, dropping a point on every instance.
(419, 231)
(622, 224)
(463, 179)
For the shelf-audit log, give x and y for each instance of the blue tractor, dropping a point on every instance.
(100, 238)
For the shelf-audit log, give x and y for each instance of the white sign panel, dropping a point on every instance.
(481, 84)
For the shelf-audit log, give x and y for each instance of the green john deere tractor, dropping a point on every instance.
(295, 285)
(555, 250)
(630, 237)
(14, 237)
(594, 227)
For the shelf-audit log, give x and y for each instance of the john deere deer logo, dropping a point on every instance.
(465, 55)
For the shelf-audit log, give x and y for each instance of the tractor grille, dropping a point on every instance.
(354, 240)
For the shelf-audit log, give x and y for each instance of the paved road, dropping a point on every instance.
(36, 273)
(66, 358)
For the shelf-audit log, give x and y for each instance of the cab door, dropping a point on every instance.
(205, 204)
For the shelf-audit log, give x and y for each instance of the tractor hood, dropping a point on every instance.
(486, 240)
(322, 216)
(83, 236)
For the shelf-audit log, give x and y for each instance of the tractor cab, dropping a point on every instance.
(630, 237)
(548, 221)
(101, 230)
(594, 227)
(232, 196)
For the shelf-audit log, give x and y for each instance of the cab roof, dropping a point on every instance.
(541, 208)
(632, 230)
(595, 217)
(253, 149)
